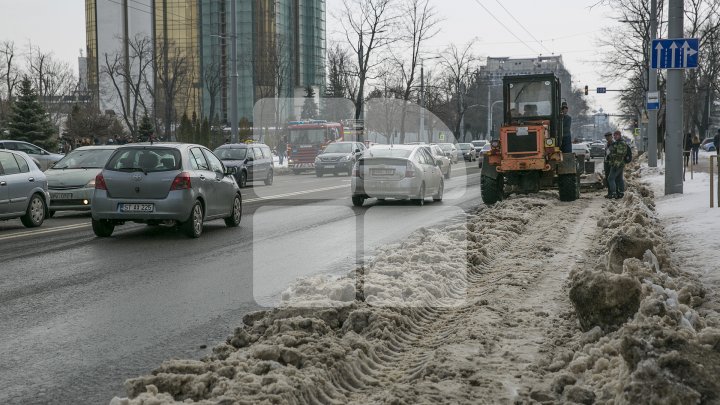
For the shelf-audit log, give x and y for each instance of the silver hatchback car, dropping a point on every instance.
(397, 171)
(165, 184)
(23, 189)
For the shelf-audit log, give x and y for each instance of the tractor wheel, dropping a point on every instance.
(568, 187)
(491, 190)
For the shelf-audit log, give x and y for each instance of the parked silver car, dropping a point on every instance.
(23, 189)
(397, 171)
(451, 151)
(165, 184)
(439, 156)
(71, 180)
(43, 158)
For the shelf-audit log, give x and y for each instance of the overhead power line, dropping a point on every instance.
(522, 26)
(506, 28)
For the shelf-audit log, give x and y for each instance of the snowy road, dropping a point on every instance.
(85, 314)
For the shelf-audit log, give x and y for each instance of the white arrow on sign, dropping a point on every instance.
(659, 49)
(673, 49)
(687, 51)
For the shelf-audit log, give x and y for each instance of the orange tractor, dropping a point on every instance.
(527, 157)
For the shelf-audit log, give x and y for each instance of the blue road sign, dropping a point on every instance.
(681, 53)
(653, 100)
(601, 90)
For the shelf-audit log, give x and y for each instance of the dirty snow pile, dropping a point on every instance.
(337, 336)
(648, 338)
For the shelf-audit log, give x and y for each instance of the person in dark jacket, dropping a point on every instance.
(695, 149)
(606, 161)
(616, 180)
(566, 144)
(716, 141)
(687, 147)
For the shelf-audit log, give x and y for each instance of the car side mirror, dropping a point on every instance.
(250, 159)
(438, 163)
(229, 171)
(357, 151)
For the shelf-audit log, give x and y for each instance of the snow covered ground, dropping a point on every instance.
(594, 301)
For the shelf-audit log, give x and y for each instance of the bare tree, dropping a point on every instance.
(172, 71)
(369, 26)
(459, 64)
(53, 81)
(212, 79)
(418, 23)
(129, 77)
(10, 75)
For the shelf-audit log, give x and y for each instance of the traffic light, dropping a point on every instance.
(586, 90)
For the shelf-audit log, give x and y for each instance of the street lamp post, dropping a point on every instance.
(234, 75)
(421, 133)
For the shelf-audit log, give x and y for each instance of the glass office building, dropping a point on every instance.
(280, 50)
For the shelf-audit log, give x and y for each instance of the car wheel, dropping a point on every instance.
(103, 228)
(233, 220)
(349, 171)
(35, 214)
(358, 200)
(242, 182)
(441, 189)
(193, 227)
(270, 178)
(447, 175)
(420, 201)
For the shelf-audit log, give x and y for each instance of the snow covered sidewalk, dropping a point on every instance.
(529, 301)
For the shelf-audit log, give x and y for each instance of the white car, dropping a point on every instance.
(581, 150)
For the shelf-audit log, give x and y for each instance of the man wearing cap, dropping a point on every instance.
(606, 161)
(616, 180)
(566, 144)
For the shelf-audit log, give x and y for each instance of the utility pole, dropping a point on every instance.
(674, 116)
(421, 133)
(652, 87)
(234, 75)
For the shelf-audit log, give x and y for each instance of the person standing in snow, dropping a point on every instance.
(695, 149)
(716, 141)
(617, 155)
(566, 144)
(606, 161)
(687, 147)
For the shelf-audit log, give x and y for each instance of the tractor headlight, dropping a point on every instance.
(549, 142)
(495, 143)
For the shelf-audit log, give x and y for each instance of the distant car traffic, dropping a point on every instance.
(23, 189)
(40, 155)
(597, 149)
(180, 185)
(451, 151)
(486, 148)
(439, 156)
(253, 162)
(708, 145)
(478, 145)
(338, 157)
(581, 150)
(71, 180)
(397, 171)
(468, 151)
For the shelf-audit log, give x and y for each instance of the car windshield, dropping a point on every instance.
(339, 148)
(84, 159)
(146, 160)
(479, 143)
(388, 152)
(465, 146)
(231, 153)
(531, 99)
(446, 146)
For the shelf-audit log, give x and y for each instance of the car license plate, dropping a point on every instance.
(329, 166)
(382, 172)
(61, 196)
(137, 207)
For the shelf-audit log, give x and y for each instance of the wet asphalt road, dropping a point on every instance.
(81, 314)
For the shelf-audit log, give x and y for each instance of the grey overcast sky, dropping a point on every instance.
(568, 28)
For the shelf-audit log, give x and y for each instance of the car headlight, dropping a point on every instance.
(549, 142)
(348, 158)
(90, 184)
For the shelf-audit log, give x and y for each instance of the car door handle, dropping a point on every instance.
(3, 183)
(31, 179)
(202, 177)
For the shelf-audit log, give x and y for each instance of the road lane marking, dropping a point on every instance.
(279, 196)
(44, 231)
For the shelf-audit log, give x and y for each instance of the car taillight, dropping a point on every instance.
(409, 170)
(100, 182)
(181, 182)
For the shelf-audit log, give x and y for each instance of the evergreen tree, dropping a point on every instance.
(310, 108)
(205, 132)
(245, 132)
(29, 122)
(185, 131)
(145, 129)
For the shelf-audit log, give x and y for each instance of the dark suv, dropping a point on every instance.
(338, 157)
(254, 161)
